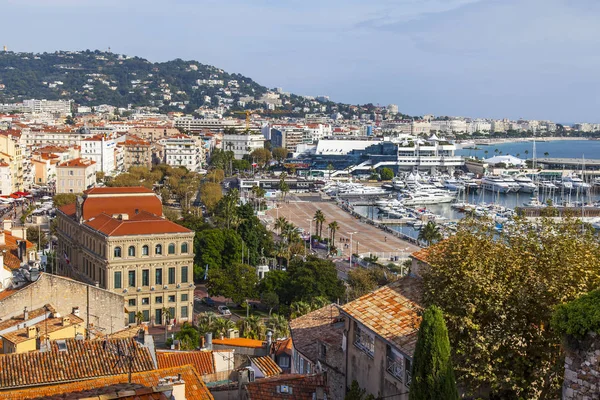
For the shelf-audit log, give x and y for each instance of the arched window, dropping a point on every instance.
(158, 249)
(184, 247)
(171, 248)
(118, 252)
(145, 250)
(131, 251)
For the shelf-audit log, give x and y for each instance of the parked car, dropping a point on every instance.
(223, 310)
(208, 301)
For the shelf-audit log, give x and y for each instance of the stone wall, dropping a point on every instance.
(582, 369)
(106, 310)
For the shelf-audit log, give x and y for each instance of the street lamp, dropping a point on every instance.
(310, 220)
(350, 258)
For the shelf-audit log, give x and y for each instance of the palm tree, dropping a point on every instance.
(546, 154)
(319, 302)
(205, 322)
(280, 223)
(220, 326)
(330, 169)
(299, 308)
(260, 193)
(281, 252)
(252, 327)
(333, 227)
(486, 153)
(139, 317)
(320, 219)
(526, 152)
(430, 233)
(496, 150)
(279, 325)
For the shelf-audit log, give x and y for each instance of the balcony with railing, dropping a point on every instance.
(395, 367)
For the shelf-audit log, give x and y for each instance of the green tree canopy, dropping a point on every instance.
(62, 199)
(386, 174)
(236, 281)
(432, 372)
(498, 292)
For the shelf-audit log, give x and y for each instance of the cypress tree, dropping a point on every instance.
(432, 372)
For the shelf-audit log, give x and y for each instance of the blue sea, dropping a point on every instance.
(590, 149)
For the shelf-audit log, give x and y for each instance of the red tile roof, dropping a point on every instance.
(76, 163)
(240, 342)
(266, 365)
(47, 326)
(118, 190)
(203, 361)
(322, 325)
(81, 360)
(146, 224)
(392, 312)
(195, 389)
(11, 257)
(123, 201)
(302, 387)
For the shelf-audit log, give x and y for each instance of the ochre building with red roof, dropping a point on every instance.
(119, 239)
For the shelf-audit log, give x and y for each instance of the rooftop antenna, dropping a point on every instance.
(124, 354)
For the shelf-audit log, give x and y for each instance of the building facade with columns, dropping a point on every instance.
(118, 239)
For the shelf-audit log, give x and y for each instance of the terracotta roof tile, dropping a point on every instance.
(45, 327)
(392, 312)
(302, 387)
(76, 163)
(322, 325)
(203, 361)
(195, 389)
(118, 190)
(266, 365)
(421, 255)
(20, 318)
(145, 224)
(240, 342)
(81, 360)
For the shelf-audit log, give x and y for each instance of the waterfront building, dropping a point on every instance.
(118, 239)
(405, 152)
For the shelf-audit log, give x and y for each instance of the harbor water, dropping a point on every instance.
(589, 149)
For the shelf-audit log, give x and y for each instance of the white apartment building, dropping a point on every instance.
(183, 150)
(52, 136)
(480, 126)
(100, 149)
(192, 124)
(61, 107)
(499, 126)
(242, 144)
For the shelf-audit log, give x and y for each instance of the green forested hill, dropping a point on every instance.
(94, 77)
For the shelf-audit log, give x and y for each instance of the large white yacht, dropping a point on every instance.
(424, 197)
(496, 184)
(525, 183)
(574, 182)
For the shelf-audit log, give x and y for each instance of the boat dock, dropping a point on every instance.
(576, 212)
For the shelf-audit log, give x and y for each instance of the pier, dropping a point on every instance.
(576, 212)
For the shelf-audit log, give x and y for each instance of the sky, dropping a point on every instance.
(532, 59)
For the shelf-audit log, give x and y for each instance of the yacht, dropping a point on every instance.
(453, 184)
(547, 185)
(398, 183)
(496, 184)
(525, 183)
(425, 197)
(575, 182)
(469, 183)
(513, 185)
(534, 202)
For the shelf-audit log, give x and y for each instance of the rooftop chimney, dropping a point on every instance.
(31, 332)
(2, 239)
(66, 321)
(177, 384)
(269, 341)
(208, 340)
(7, 223)
(25, 314)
